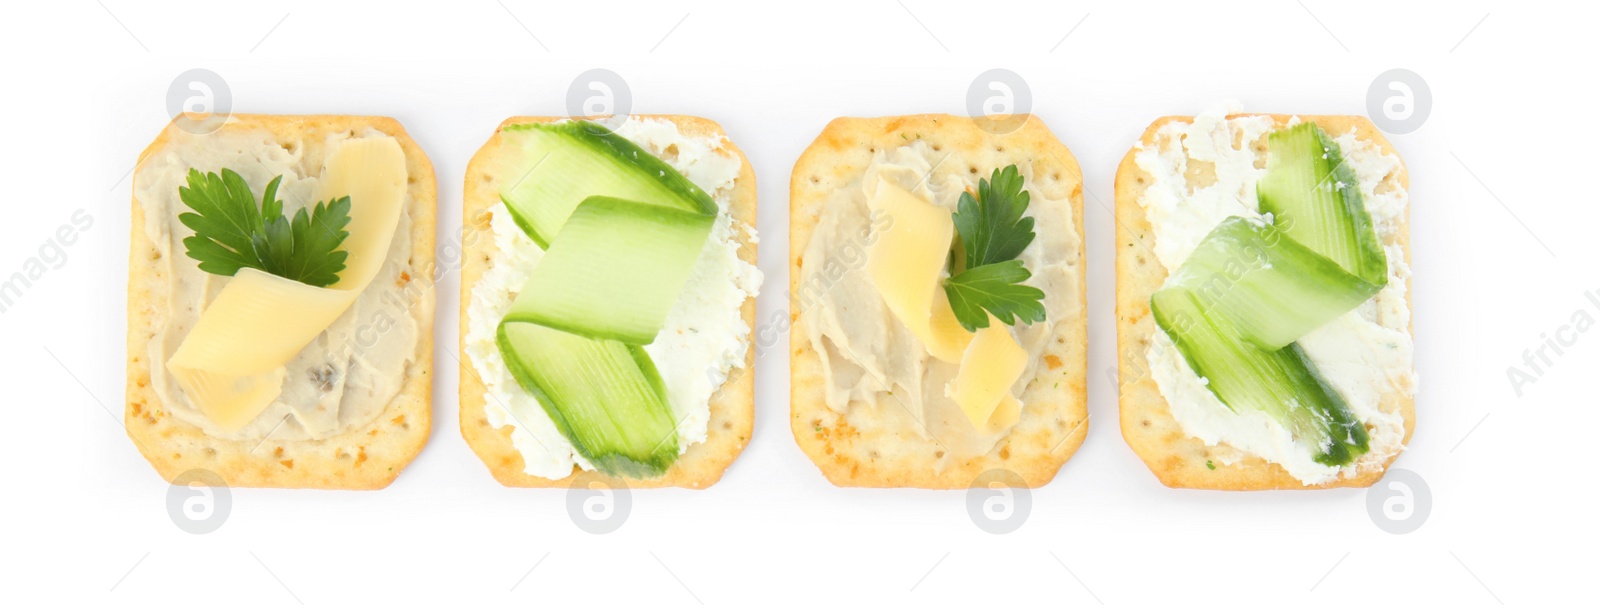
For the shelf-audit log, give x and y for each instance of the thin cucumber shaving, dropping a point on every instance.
(1280, 383)
(1272, 289)
(604, 396)
(1250, 290)
(567, 162)
(1315, 198)
(614, 271)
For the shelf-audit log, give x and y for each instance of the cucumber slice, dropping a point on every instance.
(571, 161)
(614, 270)
(1281, 383)
(604, 396)
(1269, 287)
(1315, 198)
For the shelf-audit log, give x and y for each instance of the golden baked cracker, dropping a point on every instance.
(1176, 458)
(366, 457)
(869, 449)
(732, 406)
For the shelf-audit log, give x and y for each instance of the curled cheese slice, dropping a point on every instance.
(989, 366)
(231, 363)
(230, 401)
(946, 338)
(372, 171)
(905, 263)
(258, 322)
(1004, 416)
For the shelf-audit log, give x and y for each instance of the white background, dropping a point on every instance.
(1503, 218)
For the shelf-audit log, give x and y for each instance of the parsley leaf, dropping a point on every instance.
(996, 289)
(993, 234)
(991, 225)
(231, 232)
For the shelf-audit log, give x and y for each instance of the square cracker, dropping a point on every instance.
(1176, 458)
(864, 449)
(732, 406)
(366, 457)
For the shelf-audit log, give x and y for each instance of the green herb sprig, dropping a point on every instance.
(231, 232)
(993, 233)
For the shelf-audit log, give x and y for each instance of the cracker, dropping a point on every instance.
(365, 457)
(868, 449)
(732, 406)
(1176, 458)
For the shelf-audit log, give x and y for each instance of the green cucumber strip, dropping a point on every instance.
(568, 162)
(604, 396)
(614, 271)
(1283, 384)
(1315, 198)
(1271, 288)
